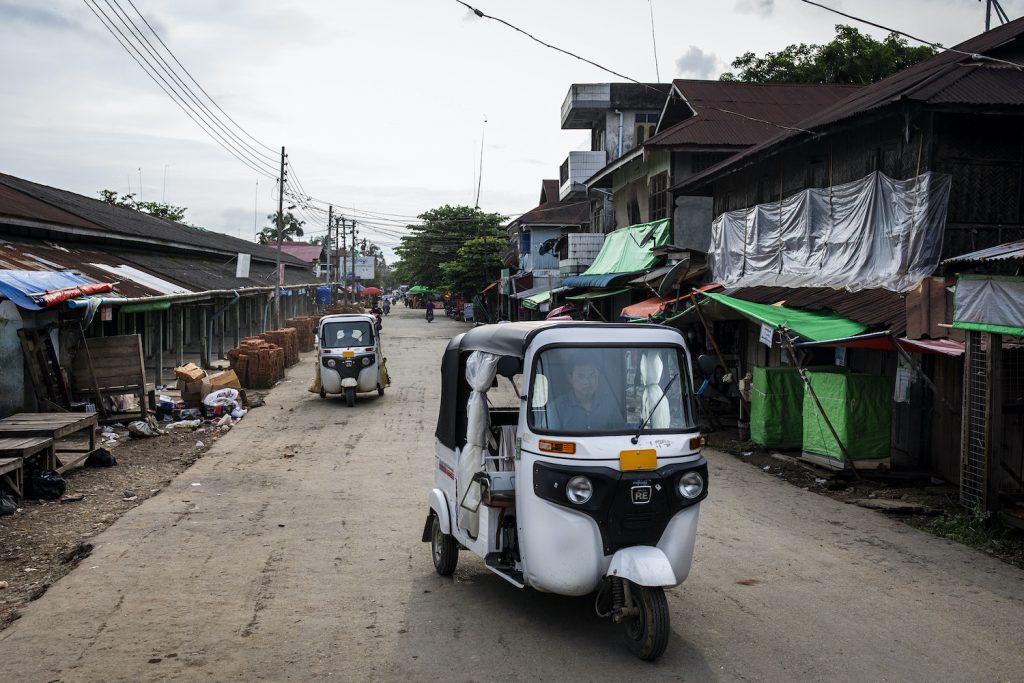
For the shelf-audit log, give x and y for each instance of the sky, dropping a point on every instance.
(382, 106)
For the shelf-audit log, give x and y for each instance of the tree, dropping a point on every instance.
(436, 242)
(292, 227)
(163, 210)
(477, 262)
(851, 57)
(319, 239)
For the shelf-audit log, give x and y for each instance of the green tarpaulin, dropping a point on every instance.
(420, 289)
(596, 294)
(811, 325)
(622, 253)
(534, 302)
(143, 307)
(777, 406)
(859, 408)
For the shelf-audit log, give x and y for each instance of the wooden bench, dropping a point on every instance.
(11, 474)
(110, 366)
(52, 426)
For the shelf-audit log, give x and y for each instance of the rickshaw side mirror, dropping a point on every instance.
(508, 366)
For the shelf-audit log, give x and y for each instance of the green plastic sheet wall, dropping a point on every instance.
(860, 409)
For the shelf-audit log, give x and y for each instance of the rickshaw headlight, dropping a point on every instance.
(366, 360)
(691, 485)
(579, 489)
(331, 363)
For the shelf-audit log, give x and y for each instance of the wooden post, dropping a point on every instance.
(179, 344)
(222, 325)
(92, 372)
(159, 380)
(238, 323)
(204, 342)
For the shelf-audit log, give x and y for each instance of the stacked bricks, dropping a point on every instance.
(287, 339)
(306, 328)
(258, 363)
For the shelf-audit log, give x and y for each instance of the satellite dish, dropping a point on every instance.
(673, 277)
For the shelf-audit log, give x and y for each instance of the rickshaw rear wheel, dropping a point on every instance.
(350, 396)
(380, 391)
(647, 633)
(323, 394)
(444, 549)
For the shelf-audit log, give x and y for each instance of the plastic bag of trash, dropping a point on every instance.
(8, 506)
(221, 397)
(46, 484)
(100, 457)
(140, 428)
(238, 413)
(184, 424)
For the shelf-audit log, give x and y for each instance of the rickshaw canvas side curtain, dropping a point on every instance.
(481, 369)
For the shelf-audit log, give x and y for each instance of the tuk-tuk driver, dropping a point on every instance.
(585, 406)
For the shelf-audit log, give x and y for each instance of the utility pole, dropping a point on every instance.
(330, 221)
(354, 281)
(342, 251)
(280, 235)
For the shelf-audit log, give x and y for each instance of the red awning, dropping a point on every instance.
(54, 297)
(648, 307)
(490, 286)
(560, 312)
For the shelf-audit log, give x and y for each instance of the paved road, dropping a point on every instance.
(251, 566)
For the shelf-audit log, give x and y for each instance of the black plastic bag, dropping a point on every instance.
(100, 457)
(45, 485)
(8, 506)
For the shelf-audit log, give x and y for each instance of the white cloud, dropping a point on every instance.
(760, 7)
(695, 63)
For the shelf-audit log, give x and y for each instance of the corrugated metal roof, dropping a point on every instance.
(722, 106)
(121, 221)
(977, 84)
(556, 213)
(307, 253)
(876, 308)
(1002, 252)
(920, 82)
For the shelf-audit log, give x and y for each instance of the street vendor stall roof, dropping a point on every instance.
(625, 252)
(20, 285)
(810, 325)
(596, 294)
(648, 307)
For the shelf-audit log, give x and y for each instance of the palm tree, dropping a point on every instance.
(292, 227)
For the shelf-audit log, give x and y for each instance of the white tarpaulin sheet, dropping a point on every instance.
(481, 369)
(988, 302)
(875, 232)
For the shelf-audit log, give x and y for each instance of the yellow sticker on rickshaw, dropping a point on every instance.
(643, 459)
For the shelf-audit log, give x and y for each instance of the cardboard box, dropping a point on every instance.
(220, 380)
(189, 373)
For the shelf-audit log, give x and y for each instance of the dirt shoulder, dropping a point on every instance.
(924, 503)
(44, 540)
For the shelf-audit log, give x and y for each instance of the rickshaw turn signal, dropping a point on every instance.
(697, 443)
(567, 447)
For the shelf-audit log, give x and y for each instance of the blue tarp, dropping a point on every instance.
(603, 280)
(17, 285)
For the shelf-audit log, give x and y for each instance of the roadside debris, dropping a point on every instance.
(893, 507)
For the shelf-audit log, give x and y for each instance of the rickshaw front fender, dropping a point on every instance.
(439, 504)
(644, 565)
(349, 382)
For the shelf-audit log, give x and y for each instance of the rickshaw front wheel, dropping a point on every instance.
(380, 391)
(350, 396)
(444, 549)
(323, 394)
(647, 633)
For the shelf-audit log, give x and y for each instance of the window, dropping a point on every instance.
(343, 335)
(610, 390)
(659, 196)
(645, 124)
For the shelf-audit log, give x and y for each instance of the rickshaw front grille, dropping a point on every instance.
(637, 520)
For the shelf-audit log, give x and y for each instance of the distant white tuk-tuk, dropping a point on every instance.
(588, 478)
(351, 357)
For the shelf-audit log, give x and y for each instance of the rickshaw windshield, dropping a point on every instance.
(346, 334)
(610, 390)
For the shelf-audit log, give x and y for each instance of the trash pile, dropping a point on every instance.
(305, 326)
(259, 362)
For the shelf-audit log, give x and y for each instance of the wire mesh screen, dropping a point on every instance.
(1013, 420)
(975, 447)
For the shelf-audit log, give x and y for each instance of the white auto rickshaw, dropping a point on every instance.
(590, 477)
(351, 358)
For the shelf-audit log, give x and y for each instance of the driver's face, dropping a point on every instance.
(583, 379)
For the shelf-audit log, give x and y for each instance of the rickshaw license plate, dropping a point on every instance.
(640, 493)
(642, 459)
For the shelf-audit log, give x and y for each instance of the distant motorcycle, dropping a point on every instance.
(430, 315)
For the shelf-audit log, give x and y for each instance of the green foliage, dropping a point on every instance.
(851, 57)
(168, 212)
(973, 527)
(432, 254)
(477, 262)
(291, 228)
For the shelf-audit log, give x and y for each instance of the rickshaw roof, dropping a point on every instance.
(512, 339)
(344, 317)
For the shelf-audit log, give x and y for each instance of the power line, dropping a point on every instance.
(182, 88)
(932, 44)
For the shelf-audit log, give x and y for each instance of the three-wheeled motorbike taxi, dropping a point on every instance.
(351, 357)
(589, 477)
